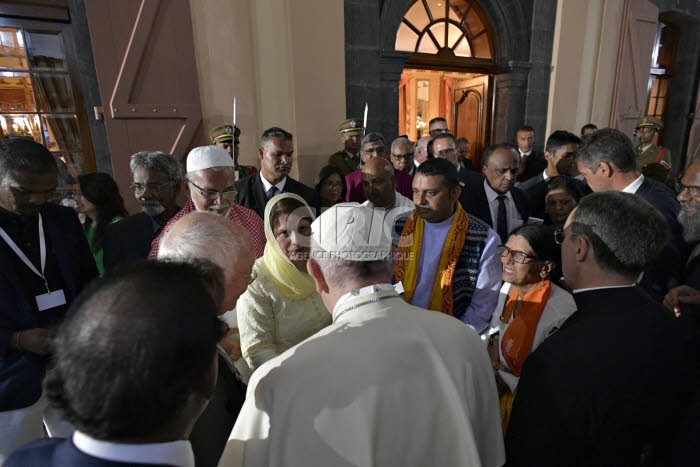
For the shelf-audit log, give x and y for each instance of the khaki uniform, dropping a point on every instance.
(344, 161)
(646, 161)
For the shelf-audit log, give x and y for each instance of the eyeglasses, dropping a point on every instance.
(445, 152)
(213, 194)
(154, 188)
(693, 190)
(559, 236)
(377, 150)
(518, 256)
(403, 157)
(333, 185)
(437, 131)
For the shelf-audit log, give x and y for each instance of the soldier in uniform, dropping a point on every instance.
(653, 161)
(348, 158)
(226, 136)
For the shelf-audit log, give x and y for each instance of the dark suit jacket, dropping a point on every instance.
(214, 426)
(251, 193)
(533, 165)
(57, 452)
(666, 272)
(473, 198)
(21, 372)
(536, 188)
(128, 240)
(355, 193)
(614, 381)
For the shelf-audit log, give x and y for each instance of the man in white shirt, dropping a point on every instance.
(531, 162)
(386, 384)
(135, 366)
(379, 185)
(608, 162)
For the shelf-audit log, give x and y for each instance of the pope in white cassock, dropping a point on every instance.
(386, 384)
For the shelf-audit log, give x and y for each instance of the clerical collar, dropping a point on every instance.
(370, 289)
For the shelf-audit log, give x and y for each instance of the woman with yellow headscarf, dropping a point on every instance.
(281, 307)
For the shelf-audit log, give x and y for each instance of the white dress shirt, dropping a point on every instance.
(177, 453)
(634, 186)
(513, 218)
(267, 185)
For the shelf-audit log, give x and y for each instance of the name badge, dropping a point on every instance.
(50, 300)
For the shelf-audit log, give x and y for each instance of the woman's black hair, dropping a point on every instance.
(102, 191)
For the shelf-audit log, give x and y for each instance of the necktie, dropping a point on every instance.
(272, 191)
(501, 220)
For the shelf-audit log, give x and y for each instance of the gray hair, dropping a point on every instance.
(341, 273)
(491, 149)
(627, 233)
(402, 140)
(209, 240)
(372, 138)
(158, 160)
(422, 144)
(608, 145)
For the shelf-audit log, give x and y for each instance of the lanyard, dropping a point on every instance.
(23, 257)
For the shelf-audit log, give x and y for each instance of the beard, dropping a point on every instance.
(690, 223)
(153, 208)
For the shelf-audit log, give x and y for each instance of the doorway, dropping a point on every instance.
(463, 99)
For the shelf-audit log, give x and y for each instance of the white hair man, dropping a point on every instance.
(211, 183)
(352, 393)
(202, 236)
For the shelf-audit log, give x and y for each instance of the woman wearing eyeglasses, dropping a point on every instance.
(330, 186)
(281, 306)
(100, 201)
(529, 309)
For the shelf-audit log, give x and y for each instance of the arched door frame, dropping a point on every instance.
(373, 67)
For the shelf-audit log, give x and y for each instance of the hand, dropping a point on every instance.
(232, 344)
(679, 296)
(35, 340)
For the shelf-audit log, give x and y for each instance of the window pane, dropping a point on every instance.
(13, 55)
(482, 49)
(417, 16)
(453, 35)
(62, 133)
(53, 93)
(16, 93)
(463, 49)
(25, 125)
(427, 46)
(438, 30)
(437, 8)
(405, 39)
(46, 51)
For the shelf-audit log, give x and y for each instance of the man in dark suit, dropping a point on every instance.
(203, 236)
(135, 367)
(608, 162)
(275, 153)
(612, 385)
(494, 199)
(560, 154)
(157, 181)
(46, 261)
(532, 162)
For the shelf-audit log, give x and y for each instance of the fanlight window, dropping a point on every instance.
(445, 28)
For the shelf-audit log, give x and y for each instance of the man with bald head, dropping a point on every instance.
(205, 236)
(379, 185)
(211, 183)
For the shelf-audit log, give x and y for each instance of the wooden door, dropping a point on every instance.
(147, 73)
(637, 39)
(471, 115)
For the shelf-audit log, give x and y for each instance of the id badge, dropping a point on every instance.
(50, 300)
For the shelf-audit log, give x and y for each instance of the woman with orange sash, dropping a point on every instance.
(530, 307)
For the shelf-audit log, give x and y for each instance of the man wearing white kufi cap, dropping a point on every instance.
(211, 183)
(387, 383)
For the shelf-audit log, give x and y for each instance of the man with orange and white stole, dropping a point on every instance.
(447, 259)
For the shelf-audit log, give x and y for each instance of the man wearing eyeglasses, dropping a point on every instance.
(437, 126)
(608, 162)
(402, 155)
(45, 262)
(276, 155)
(374, 145)
(157, 181)
(494, 198)
(211, 183)
(612, 385)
